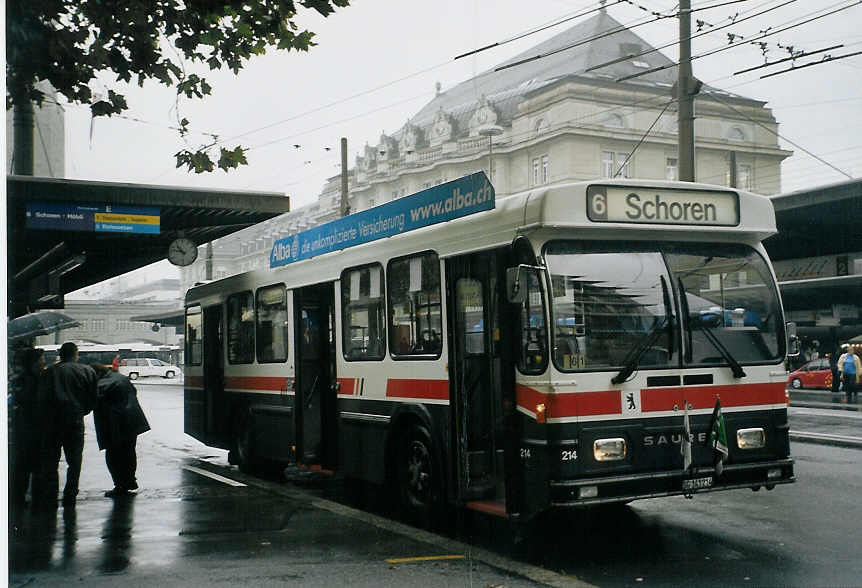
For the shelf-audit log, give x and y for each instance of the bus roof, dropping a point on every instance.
(559, 206)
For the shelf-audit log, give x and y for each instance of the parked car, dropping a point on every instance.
(145, 366)
(814, 374)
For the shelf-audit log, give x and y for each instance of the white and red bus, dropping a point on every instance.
(544, 353)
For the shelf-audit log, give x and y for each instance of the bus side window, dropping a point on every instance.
(240, 330)
(415, 324)
(362, 313)
(271, 312)
(533, 355)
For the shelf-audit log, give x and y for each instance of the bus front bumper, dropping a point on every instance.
(628, 487)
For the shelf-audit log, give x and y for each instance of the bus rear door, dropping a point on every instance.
(315, 401)
(218, 425)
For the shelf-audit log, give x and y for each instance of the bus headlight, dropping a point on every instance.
(750, 438)
(609, 449)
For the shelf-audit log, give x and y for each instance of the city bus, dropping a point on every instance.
(104, 354)
(567, 346)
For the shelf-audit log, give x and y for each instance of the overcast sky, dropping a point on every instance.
(283, 99)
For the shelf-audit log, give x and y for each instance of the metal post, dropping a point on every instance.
(22, 117)
(209, 261)
(686, 88)
(344, 209)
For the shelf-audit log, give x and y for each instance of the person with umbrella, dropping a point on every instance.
(119, 420)
(24, 431)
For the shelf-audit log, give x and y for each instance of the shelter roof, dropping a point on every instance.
(200, 215)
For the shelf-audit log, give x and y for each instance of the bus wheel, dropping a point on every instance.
(418, 475)
(243, 442)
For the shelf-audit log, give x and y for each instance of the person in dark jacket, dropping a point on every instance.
(24, 432)
(119, 420)
(73, 395)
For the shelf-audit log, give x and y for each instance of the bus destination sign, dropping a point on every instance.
(662, 206)
(441, 203)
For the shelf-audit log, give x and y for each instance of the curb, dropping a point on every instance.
(826, 439)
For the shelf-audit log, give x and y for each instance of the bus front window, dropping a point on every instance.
(608, 300)
(731, 303)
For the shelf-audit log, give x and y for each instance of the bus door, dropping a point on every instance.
(477, 375)
(315, 401)
(217, 413)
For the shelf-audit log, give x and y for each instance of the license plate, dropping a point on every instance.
(696, 483)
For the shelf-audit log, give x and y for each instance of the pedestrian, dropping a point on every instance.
(851, 370)
(24, 430)
(833, 367)
(119, 420)
(72, 395)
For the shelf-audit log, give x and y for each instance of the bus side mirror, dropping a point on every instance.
(792, 340)
(516, 284)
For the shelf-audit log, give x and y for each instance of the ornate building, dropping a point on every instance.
(575, 114)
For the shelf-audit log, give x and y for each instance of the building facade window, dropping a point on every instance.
(544, 169)
(98, 324)
(736, 134)
(615, 165)
(744, 177)
(671, 168)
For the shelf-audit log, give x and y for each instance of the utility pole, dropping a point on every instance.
(344, 209)
(686, 89)
(22, 138)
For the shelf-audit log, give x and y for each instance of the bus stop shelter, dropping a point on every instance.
(63, 235)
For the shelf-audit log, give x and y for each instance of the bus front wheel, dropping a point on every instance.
(418, 474)
(244, 442)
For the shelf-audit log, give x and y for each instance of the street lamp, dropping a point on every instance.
(490, 131)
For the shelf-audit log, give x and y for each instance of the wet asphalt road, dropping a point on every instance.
(185, 528)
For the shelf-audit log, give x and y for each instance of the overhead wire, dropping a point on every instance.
(769, 33)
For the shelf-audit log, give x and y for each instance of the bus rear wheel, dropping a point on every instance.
(418, 476)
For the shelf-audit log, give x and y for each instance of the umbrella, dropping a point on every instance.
(42, 322)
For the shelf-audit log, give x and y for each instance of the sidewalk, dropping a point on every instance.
(824, 399)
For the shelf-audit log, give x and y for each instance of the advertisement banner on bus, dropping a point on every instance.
(455, 199)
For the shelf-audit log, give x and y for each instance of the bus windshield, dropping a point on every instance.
(615, 301)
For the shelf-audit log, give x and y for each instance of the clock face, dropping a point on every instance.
(182, 252)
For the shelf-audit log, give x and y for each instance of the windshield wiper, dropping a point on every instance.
(631, 361)
(737, 370)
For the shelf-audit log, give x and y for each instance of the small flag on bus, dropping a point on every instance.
(718, 438)
(685, 445)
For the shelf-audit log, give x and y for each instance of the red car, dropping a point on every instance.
(814, 374)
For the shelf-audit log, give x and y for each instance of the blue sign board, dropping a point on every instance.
(448, 201)
(62, 216)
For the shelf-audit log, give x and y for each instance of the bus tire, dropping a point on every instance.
(244, 442)
(418, 475)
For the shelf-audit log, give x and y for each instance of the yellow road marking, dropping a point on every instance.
(397, 560)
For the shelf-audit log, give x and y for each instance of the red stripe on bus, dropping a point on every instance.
(663, 399)
(570, 404)
(426, 389)
(278, 383)
(347, 386)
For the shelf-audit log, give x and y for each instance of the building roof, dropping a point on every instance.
(507, 87)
